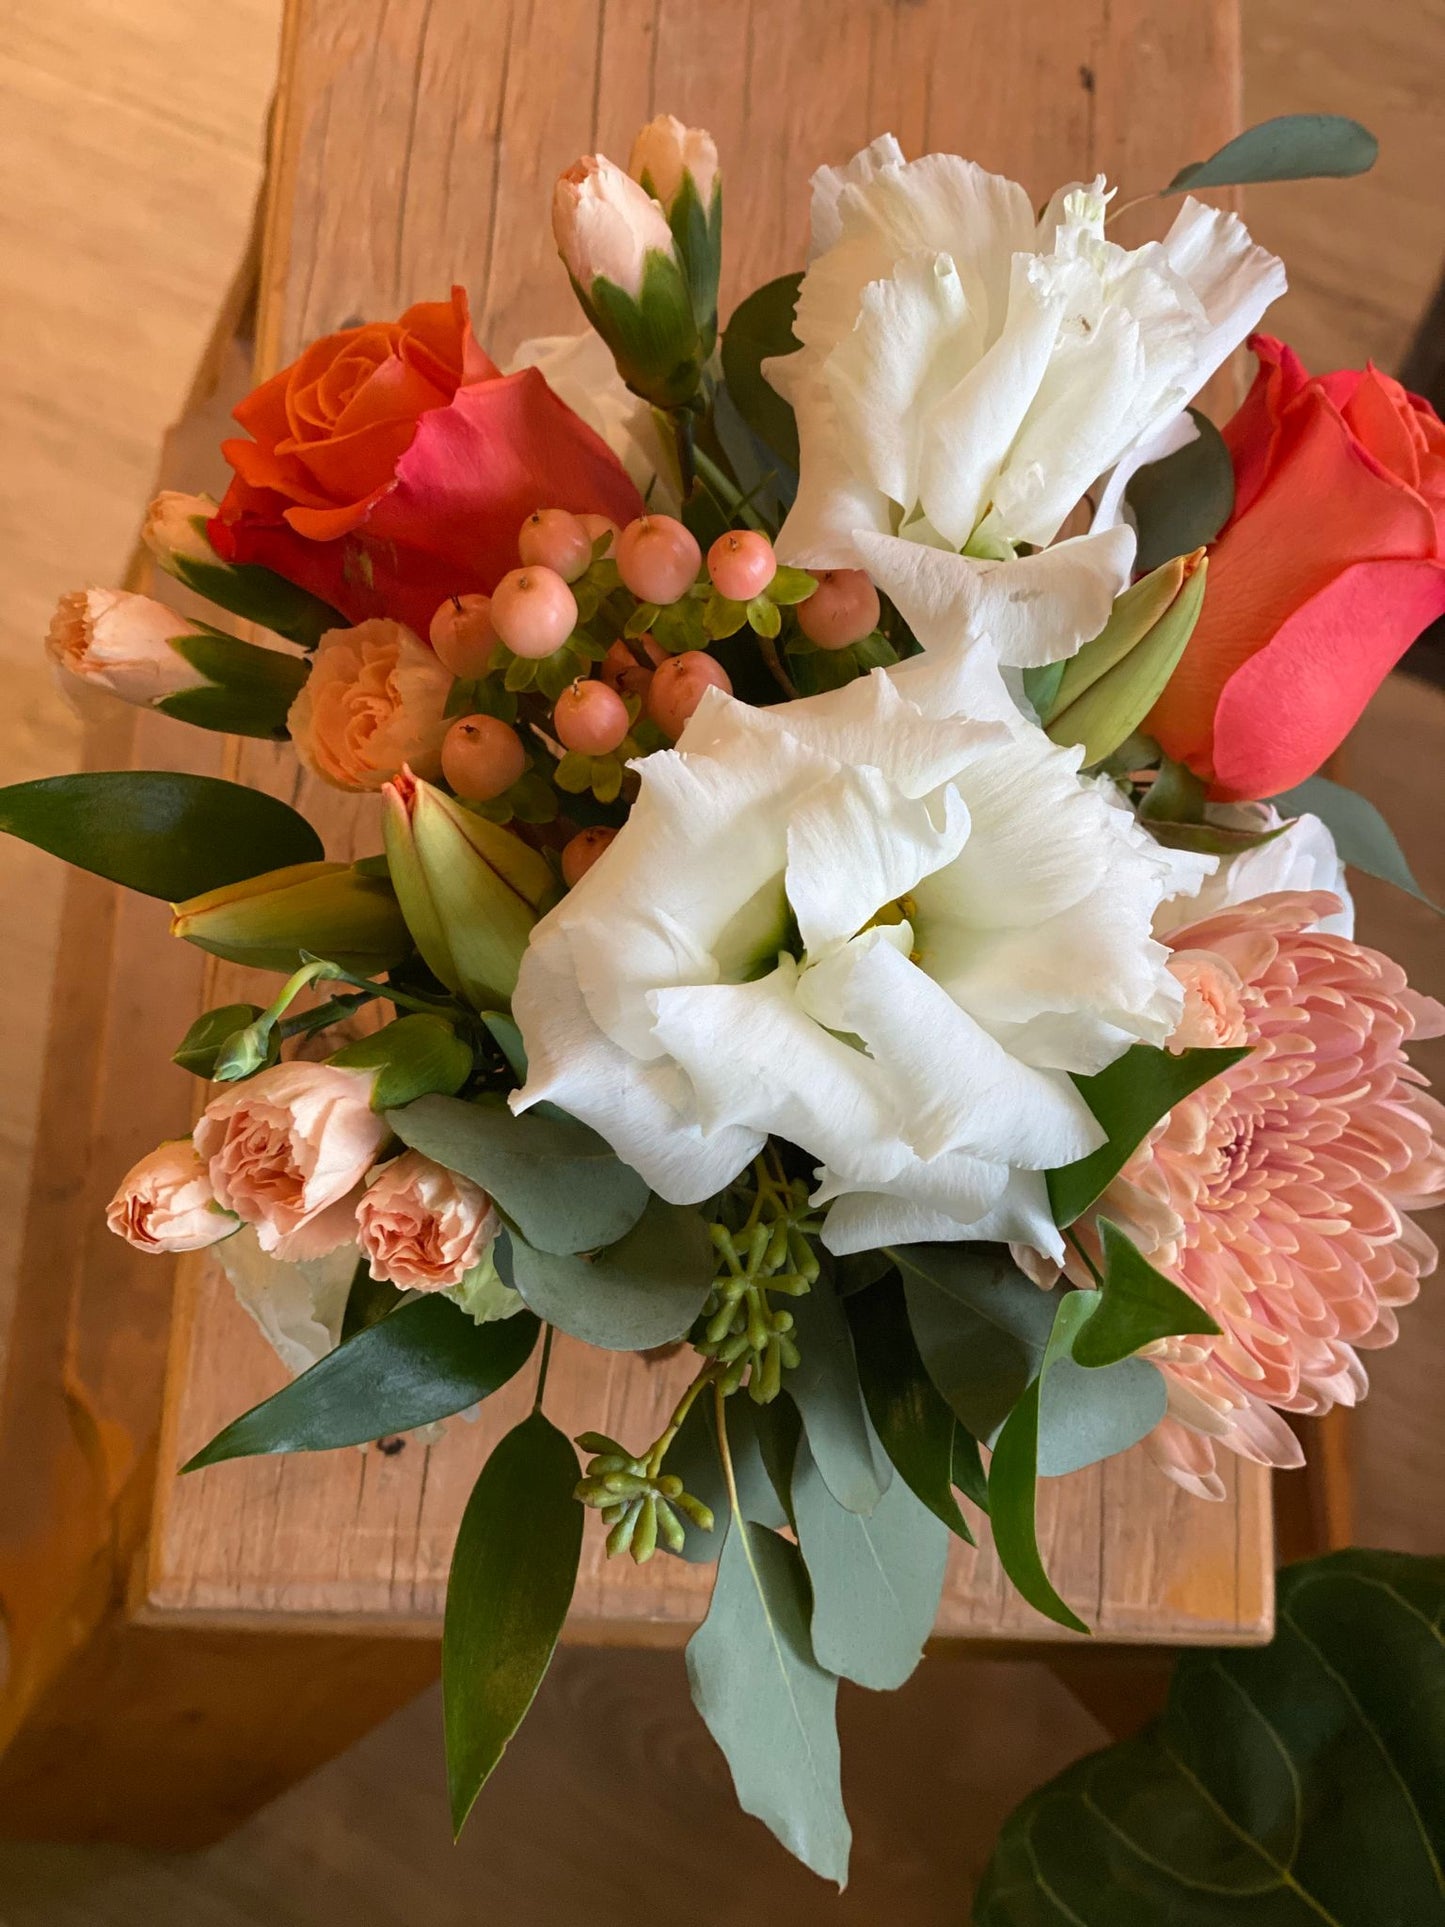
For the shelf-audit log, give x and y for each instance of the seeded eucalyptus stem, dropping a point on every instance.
(653, 1461)
(720, 1420)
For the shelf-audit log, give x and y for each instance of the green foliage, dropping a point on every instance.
(980, 1326)
(1286, 1785)
(644, 1290)
(249, 692)
(913, 1421)
(1291, 147)
(368, 1301)
(259, 596)
(1128, 1099)
(763, 1477)
(824, 1386)
(1182, 502)
(161, 832)
(208, 1036)
(762, 327)
(556, 1181)
(512, 1576)
(767, 1702)
(412, 1057)
(1362, 835)
(1139, 1305)
(423, 1362)
(876, 1581)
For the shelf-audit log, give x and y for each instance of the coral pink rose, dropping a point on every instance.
(167, 1203)
(391, 465)
(1331, 565)
(289, 1150)
(375, 699)
(421, 1226)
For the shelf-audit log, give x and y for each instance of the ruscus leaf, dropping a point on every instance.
(1139, 1305)
(512, 1576)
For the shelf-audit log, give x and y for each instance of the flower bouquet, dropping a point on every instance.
(854, 897)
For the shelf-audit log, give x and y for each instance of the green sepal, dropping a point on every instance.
(208, 1036)
(654, 339)
(259, 595)
(250, 690)
(414, 1056)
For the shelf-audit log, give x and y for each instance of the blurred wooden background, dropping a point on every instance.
(130, 142)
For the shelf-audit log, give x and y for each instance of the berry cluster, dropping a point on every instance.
(596, 649)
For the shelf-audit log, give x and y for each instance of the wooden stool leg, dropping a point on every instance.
(1123, 1690)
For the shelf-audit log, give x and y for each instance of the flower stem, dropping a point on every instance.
(720, 1416)
(542, 1368)
(768, 650)
(726, 491)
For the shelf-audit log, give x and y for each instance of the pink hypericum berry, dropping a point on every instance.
(591, 718)
(657, 558)
(533, 611)
(583, 851)
(842, 609)
(680, 685)
(741, 564)
(462, 634)
(599, 525)
(482, 757)
(555, 539)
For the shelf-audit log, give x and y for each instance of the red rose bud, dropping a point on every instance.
(630, 279)
(148, 655)
(678, 167)
(470, 892)
(1330, 566)
(391, 465)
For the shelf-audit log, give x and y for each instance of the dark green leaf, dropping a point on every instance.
(876, 1581)
(1209, 839)
(768, 1703)
(1294, 1785)
(1139, 1306)
(511, 1582)
(203, 1042)
(368, 1301)
(1182, 502)
(980, 1325)
(1291, 147)
(762, 327)
(644, 1290)
(1361, 834)
(1128, 1099)
(969, 1476)
(161, 832)
(824, 1386)
(912, 1419)
(564, 1188)
(424, 1362)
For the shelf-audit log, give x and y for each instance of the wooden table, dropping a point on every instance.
(178, 1651)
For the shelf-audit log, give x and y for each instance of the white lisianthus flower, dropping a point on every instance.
(968, 371)
(873, 924)
(1304, 857)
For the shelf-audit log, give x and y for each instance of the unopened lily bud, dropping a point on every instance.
(325, 909)
(678, 166)
(146, 654)
(176, 533)
(630, 279)
(121, 642)
(470, 891)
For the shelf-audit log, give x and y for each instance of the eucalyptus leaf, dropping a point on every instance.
(1091, 1413)
(913, 1421)
(423, 1362)
(512, 1577)
(1284, 1786)
(768, 1703)
(980, 1326)
(824, 1386)
(1129, 1098)
(876, 1581)
(161, 832)
(1362, 836)
(762, 327)
(562, 1185)
(644, 1290)
(1182, 502)
(1291, 147)
(1139, 1305)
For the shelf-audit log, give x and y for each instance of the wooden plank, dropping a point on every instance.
(415, 143)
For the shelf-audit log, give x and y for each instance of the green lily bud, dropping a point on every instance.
(1110, 686)
(176, 533)
(630, 279)
(326, 909)
(678, 167)
(417, 1056)
(470, 891)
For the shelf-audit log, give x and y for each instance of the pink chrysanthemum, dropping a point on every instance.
(1277, 1194)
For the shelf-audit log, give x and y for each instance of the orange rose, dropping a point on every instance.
(391, 466)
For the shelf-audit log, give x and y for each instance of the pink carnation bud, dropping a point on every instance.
(123, 643)
(665, 151)
(606, 226)
(166, 1203)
